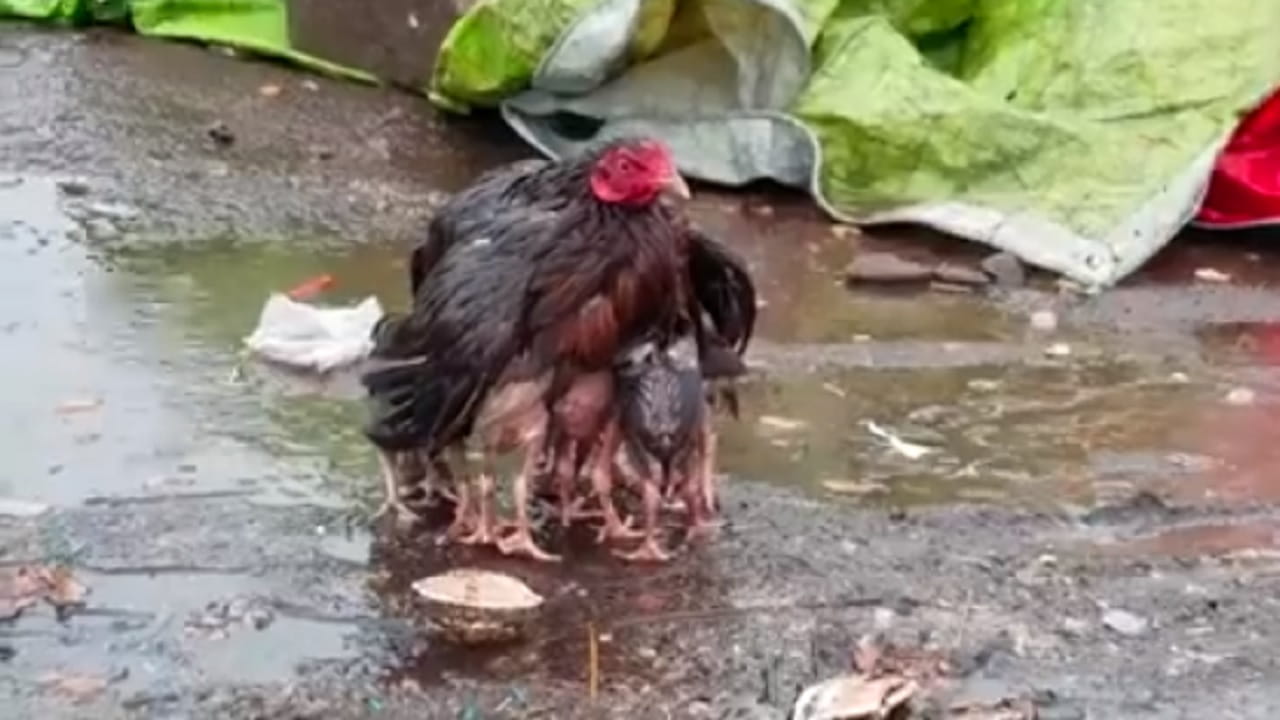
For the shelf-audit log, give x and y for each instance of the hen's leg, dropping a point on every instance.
(463, 512)
(707, 471)
(483, 533)
(602, 485)
(443, 483)
(391, 487)
(700, 489)
(650, 549)
(521, 541)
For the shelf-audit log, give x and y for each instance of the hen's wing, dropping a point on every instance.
(457, 342)
(597, 289)
(724, 289)
(470, 211)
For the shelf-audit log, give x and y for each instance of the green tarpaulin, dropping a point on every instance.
(1078, 134)
(258, 25)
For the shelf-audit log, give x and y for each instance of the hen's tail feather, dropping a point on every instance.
(414, 405)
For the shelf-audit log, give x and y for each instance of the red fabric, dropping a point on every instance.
(1245, 187)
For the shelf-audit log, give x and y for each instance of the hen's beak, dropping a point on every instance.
(675, 185)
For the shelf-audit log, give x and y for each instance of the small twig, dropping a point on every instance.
(593, 662)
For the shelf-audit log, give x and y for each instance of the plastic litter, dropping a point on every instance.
(314, 337)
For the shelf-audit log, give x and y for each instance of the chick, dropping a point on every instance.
(666, 433)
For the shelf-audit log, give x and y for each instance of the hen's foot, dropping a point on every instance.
(649, 551)
(521, 542)
(615, 529)
(401, 512)
(704, 530)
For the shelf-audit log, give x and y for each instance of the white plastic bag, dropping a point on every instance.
(314, 338)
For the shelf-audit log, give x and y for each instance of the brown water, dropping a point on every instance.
(150, 337)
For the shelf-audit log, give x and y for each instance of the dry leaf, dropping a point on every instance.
(79, 405)
(63, 589)
(854, 697)
(1209, 274)
(911, 450)
(269, 91)
(12, 607)
(854, 487)
(919, 664)
(21, 587)
(79, 687)
(773, 422)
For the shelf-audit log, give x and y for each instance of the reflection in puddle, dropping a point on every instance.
(141, 623)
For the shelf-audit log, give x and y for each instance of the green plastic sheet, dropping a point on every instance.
(1078, 134)
(258, 25)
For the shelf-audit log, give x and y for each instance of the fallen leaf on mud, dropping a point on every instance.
(1209, 274)
(1241, 396)
(1124, 622)
(919, 664)
(269, 91)
(854, 487)
(12, 607)
(21, 587)
(79, 405)
(13, 507)
(1044, 320)
(78, 687)
(63, 590)
(854, 697)
(773, 422)
(845, 231)
(910, 450)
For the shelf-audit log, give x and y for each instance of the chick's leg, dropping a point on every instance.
(650, 549)
(521, 541)
(564, 471)
(483, 533)
(602, 485)
(391, 486)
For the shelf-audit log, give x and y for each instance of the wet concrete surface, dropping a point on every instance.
(216, 509)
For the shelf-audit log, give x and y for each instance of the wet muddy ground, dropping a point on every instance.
(1123, 460)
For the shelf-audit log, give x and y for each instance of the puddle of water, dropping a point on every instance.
(137, 622)
(144, 342)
